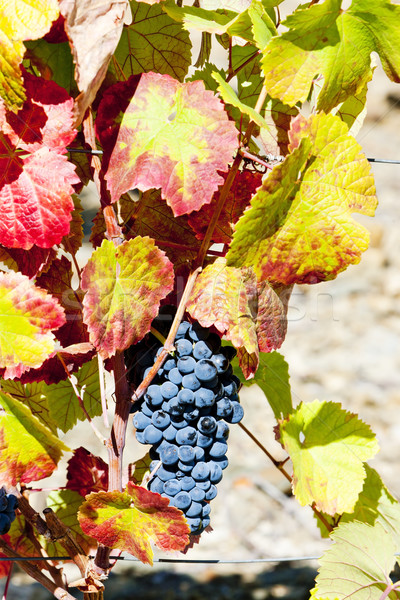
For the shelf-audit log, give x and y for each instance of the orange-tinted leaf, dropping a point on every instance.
(29, 451)
(94, 29)
(248, 362)
(299, 228)
(152, 149)
(28, 315)
(243, 188)
(130, 520)
(86, 472)
(271, 319)
(124, 287)
(226, 297)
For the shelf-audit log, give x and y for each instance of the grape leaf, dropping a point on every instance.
(375, 504)
(57, 281)
(66, 503)
(242, 189)
(228, 95)
(153, 217)
(299, 228)
(271, 323)
(86, 472)
(124, 287)
(29, 451)
(138, 469)
(357, 565)
(327, 446)
(224, 297)
(94, 30)
(31, 394)
(28, 316)
(130, 520)
(248, 361)
(53, 61)
(152, 42)
(174, 136)
(73, 241)
(20, 20)
(325, 39)
(36, 182)
(272, 377)
(28, 262)
(64, 406)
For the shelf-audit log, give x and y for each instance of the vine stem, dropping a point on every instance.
(227, 185)
(34, 572)
(169, 345)
(279, 464)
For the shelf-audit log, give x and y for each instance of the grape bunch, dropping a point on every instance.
(8, 504)
(185, 415)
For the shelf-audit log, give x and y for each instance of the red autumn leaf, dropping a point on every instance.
(86, 472)
(130, 520)
(152, 149)
(243, 188)
(271, 318)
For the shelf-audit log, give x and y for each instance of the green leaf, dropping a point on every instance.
(174, 136)
(152, 42)
(54, 60)
(29, 451)
(327, 446)
(130, 520)
(325, 40)
(65, 504)
(27, 316)
(229, 96)
(357, 565)
(272, 376)
(124, 287)
(263, 27)
(63, 403)
(31, 394)
(375, 504)
(299, 228)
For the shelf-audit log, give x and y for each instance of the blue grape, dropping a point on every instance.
(186, 453)
(170, 433)
(199, 453)
(152, 435)
(224, 408)
(222, 431)
(194, 524)
(140, 421)
(204, 397)
(211, 492)
(169, 364)
(206, 510)
(186, 467)
(186, 365)
(191, 382)
(161, 419)
(169, 454)
(215, 472)
(201, 471)
(175, 376)
(204, 441)
(153, 396)
(165, 474)
(172, 487)
(201, 350)
(218, 449)
(182, 500)
(183, 347)
(221, 362)
(169, 390)
(5, 523)
(182, 329)
(187, 483)
(197, 494)
(204, 485)
(156, 485)
(205, 522)
(207, 425)
(206, 372)
(186, 396)
(192, 414)
(175, 408)
(195, 509)
(147, 410)
(187, 435)
(196, 332)
(237, 414)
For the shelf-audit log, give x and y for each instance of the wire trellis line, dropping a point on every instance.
(272, 158)
(175, 560)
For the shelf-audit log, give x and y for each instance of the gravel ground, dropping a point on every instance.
(343, 345)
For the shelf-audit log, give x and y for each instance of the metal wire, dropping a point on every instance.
(176, 560)
(272, 158)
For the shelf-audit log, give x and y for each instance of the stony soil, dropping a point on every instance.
(343, 344)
